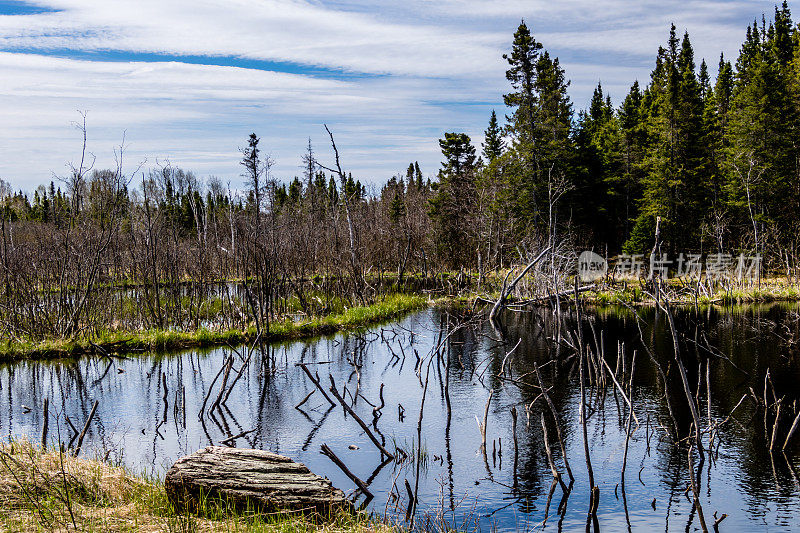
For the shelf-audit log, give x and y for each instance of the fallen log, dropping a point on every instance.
(252, 480)
(552, 297)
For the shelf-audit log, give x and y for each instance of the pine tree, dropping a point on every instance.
(281, 196)
(454, 198)
(459, 156)
(541, 131)
(295, 190)
(417, 175)
(522, 76)
(397, 207)
(493, 145)
(333, 192)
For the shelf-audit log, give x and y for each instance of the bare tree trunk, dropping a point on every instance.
(358, 278)
(506, 291)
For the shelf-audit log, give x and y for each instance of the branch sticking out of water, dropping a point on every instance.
(360, 422)
(553, 469)
(325, 450)
(86, 428)
(316, 383)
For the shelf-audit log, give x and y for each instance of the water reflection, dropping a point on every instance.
(149, 407)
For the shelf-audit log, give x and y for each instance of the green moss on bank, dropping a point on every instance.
(391, 306)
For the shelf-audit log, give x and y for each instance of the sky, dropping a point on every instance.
(184, 82)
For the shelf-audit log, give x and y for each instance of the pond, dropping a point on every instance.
(149, 415)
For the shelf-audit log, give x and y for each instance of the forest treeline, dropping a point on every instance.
(716, 160)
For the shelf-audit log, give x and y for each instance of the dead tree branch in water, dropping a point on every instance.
(684, 378)
(325, 450)
(507, 290)
(360, 422)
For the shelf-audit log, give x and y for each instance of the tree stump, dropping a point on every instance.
(249, 480)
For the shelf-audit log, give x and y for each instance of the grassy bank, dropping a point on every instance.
(390, 306)
(634, 292)
(48, 491)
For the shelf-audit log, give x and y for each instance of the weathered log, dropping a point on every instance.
(254, 480)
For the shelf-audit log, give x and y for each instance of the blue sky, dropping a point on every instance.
(185, 81)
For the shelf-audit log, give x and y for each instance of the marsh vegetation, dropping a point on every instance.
(523, 398)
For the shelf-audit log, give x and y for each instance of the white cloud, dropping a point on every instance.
(197, 115)
(286, 31)
(443, 38)
(432, 66)
(452, 38)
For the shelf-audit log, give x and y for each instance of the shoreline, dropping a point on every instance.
(630, 293)
(770, 290)
(127, 342)
(47, 490)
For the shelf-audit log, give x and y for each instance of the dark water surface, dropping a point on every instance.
(145, 427)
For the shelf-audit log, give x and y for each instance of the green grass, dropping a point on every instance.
(632, 293)
(386, 308)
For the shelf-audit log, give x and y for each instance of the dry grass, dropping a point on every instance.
(39, 489)
(50, 491)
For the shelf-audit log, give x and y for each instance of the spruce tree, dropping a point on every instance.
(633, 138)
(522, 75)
(675, 175)
(253, 173)
(454, 198)
(540, 128)
(493, 145)
(597, 144)
(762, 131)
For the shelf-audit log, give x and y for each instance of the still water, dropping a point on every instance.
(149, 405)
